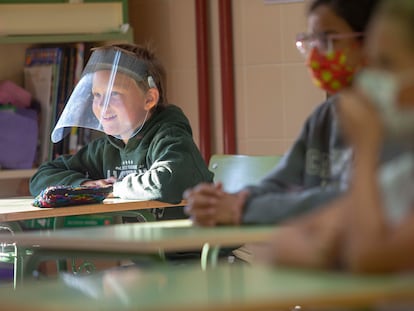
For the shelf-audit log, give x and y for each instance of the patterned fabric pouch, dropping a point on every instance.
(57, 196)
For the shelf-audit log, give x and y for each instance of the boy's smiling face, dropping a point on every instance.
(121, 109)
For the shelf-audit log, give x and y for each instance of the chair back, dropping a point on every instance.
(236, 171)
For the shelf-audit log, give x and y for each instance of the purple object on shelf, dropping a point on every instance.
(11, 93)
(18, 138)
(6, 272)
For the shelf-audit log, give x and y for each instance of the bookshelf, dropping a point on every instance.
(68, 38)
(16, 174)
(14, 43)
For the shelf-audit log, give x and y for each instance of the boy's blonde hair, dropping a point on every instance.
(155, 69)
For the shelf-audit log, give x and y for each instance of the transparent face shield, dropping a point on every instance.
(108, 96)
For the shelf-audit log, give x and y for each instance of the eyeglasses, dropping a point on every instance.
(324, 42)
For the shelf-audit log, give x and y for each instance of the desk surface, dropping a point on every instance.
(174, 235)
(14, 209)
(228, 287)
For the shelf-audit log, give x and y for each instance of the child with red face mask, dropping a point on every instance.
(314, 170)
(331, 67)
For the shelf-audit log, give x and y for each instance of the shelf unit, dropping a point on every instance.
(68, 38)
(16, 174)
(124, 35)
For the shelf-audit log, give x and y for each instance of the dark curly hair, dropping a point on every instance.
(357, 13)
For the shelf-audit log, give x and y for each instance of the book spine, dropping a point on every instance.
(75, 134)
(41, 56)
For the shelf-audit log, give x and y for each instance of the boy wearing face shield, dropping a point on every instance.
(371, 228)
(147, 152)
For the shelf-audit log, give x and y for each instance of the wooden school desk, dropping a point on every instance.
(228, 287)
(134, 240)
(16, 209)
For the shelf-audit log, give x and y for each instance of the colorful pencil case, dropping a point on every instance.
(57, 196)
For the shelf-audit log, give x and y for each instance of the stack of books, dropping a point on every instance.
(50, 74)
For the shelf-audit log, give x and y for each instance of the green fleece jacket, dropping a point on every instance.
(158, 163)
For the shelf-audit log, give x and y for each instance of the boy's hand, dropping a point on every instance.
(313, 240)
(99, 182)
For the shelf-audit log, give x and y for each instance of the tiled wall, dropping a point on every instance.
(274, 94)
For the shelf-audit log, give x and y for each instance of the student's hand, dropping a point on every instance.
(312, 241)
(99, 182)
(360, 121)
(209, 205)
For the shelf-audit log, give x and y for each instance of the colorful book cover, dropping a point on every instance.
(79, 63)
(41, 57)
(38, 81)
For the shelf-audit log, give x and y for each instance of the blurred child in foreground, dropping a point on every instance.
(371, 228)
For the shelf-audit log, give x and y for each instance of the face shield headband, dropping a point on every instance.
(107, 95)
